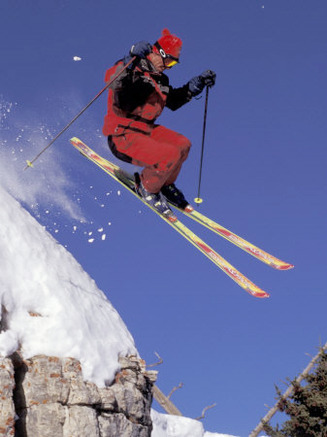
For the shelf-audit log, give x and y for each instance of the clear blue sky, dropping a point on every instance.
(264, 177)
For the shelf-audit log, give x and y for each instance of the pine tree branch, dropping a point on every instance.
(290, 390)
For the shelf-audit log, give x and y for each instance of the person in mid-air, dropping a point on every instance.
(135, 101)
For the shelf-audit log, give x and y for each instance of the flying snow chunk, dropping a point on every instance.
(77, 58)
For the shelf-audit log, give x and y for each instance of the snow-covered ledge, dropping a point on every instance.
(69, 365)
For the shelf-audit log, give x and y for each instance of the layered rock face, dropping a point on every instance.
(47, 397)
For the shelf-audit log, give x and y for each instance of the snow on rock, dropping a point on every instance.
(165, 425)
(49, 304)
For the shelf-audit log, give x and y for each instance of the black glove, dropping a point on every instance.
(196, 85)
(141, 49)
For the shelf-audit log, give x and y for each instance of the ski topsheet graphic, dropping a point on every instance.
(127, 181)
(250, 248)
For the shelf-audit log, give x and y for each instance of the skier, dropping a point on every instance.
(135, 101)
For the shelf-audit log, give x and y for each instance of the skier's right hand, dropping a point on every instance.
(141, 49)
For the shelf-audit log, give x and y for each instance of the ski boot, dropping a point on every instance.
(176, 197)
(155, 200)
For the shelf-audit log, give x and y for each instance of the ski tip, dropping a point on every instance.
(284, 266)
(260, 294)
(256, 291)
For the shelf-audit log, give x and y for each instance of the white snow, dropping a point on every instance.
(50, 305)
(53, 306)
(165, 425)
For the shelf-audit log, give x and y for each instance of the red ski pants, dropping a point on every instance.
(161, 152)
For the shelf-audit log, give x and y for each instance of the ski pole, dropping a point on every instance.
(30, 163)
(198, 199)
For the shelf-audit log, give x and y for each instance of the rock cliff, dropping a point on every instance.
(47, 397)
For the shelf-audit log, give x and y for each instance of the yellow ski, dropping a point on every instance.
(126, 180)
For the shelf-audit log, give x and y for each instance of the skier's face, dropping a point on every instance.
(157, 61)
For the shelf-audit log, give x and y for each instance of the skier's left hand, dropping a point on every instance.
(196, 85)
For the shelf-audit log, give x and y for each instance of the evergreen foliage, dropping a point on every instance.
(306, 407)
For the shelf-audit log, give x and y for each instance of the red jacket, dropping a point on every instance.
(138, 97)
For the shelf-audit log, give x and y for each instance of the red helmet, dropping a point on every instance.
(170, 43)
